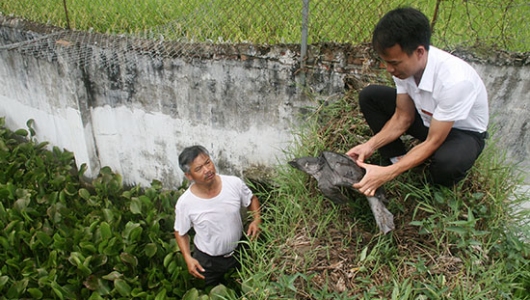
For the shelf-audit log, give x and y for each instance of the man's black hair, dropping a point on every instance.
(405, 26)
(188, 155)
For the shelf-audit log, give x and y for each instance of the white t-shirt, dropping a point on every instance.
(217, 221)
(449, 90)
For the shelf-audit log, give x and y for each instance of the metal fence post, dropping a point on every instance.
(66, 15)
(303, 45)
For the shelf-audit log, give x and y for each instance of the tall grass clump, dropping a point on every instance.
(466, 242)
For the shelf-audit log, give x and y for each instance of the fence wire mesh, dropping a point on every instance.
(190, 24)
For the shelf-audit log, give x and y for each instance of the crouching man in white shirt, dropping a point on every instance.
(439, 99)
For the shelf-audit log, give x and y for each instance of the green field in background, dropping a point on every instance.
(490, 23)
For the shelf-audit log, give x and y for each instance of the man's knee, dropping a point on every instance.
(451, 162)
(367, 93)
(448, 171)
(445, 177)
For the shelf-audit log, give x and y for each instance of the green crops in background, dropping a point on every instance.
(488, 23)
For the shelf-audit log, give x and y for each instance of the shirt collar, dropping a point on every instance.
(427, 79)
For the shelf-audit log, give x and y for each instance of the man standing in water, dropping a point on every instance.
(212, 206)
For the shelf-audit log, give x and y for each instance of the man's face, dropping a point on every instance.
(202, 170)
(401, 65)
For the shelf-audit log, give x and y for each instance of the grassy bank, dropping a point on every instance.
(64, 238)
(461, 243)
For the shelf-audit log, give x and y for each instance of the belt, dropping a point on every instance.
(227, 255)
(482, 135)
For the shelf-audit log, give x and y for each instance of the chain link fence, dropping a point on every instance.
(502, 24)
(169, 28)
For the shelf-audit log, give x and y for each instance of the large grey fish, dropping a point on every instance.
(334, 171)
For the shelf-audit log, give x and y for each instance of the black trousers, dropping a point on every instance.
(449, 163)
(216, 267)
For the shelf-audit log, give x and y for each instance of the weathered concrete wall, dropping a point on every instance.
(135, 112)
(509, 93)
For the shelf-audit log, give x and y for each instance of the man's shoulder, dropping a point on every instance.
(440, 52)
(447, 59)
(230, 178)
(233, 183)
(451, 68)
(185, 197)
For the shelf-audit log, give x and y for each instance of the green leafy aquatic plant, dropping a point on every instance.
(63, 238)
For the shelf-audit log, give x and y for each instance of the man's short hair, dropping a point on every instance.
(188, 155)
(405, 26)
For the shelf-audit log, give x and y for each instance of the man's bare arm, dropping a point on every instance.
(398, 124)
(393, 129)
(438, 132)
(254, 208)
(194, 267)
(376, 176)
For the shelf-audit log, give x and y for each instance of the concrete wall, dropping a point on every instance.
(509, 93)
(121, 107)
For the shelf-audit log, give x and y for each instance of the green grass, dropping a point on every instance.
(491, 23)
(460, 243)
(65, 238)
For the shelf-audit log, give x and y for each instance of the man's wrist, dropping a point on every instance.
(371, 146)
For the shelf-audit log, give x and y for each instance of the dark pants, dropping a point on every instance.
(215, 267)
(449, 163)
